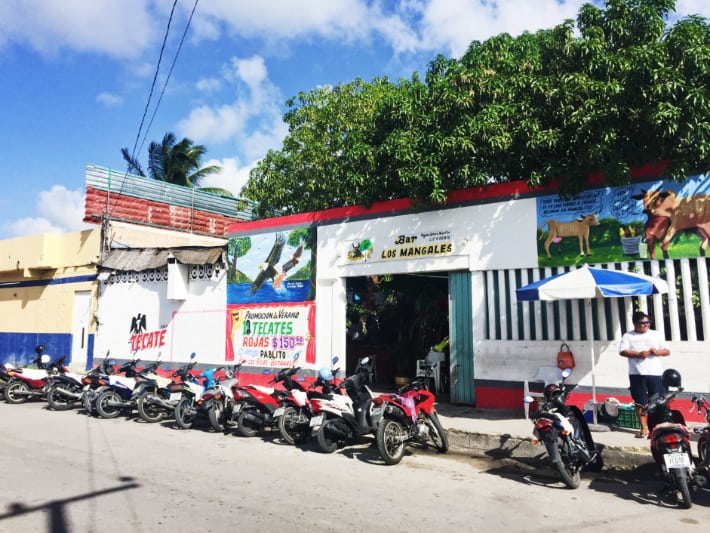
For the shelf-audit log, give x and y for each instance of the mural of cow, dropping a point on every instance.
(690, 212)
(577, 228)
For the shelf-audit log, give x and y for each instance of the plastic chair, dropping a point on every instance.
(370, 366)
(544, 375)
(431, 366)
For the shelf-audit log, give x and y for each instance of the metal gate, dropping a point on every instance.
(461, 338)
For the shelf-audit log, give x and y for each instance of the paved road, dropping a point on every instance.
(66, 472)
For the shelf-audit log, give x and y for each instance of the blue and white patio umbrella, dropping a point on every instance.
(586, 283)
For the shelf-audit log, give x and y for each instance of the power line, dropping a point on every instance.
(155, 77)
(167, 79)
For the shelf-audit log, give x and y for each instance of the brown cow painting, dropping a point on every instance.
(690, 212)
(577, 228)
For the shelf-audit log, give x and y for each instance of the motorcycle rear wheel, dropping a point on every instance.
(183, 416)
(216, 415)
(103, 409)
(437, 434)
(245, 427)
(681, 479)
(326, 442)
(13, 392)
(58, 401)
(149, 411)
(292, 429)
(391, 440)
(568, 470)
(703, 449)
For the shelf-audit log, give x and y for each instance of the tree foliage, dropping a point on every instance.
(174, 162)
(554, 105)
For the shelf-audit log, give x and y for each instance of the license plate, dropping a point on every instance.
(278, 412)
(316, 420)
(377, 411)
(677, 460)
(175, 396)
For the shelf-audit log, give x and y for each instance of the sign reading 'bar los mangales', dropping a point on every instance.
(405, 246)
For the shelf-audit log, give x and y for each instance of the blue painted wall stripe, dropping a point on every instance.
(44, 282)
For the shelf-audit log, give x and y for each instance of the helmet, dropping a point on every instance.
(325, 374)
(671, 378)
(552, 391)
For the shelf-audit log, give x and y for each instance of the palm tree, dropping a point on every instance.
(177, 163)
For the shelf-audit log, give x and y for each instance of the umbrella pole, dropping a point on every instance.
(590, 336)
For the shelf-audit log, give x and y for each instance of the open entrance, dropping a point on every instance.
(397, 318)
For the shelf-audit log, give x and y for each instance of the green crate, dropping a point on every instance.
(627, 417)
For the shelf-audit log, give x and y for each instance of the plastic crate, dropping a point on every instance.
(627, 417)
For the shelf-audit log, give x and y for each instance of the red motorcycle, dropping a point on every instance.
(255, 407)
(26, 383)
(408, 417)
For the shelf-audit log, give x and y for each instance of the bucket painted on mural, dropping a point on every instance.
(630, 245)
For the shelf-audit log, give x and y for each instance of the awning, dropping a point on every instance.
(139, 259)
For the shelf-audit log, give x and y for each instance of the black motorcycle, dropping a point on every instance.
(704, 438)
(65, 390)
(157, 403)
(564, 431)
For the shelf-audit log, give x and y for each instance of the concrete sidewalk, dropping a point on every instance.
(506, 434)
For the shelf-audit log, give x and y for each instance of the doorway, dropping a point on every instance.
(80, 328)
(396, 318)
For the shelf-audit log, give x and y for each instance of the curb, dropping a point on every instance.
(506, 446)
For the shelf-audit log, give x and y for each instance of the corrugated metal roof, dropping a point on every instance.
(106, 179)
(139, 259)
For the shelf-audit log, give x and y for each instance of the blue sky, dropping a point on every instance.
(76, 76)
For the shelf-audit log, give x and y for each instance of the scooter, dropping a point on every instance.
(159, 402)
(219, 401)
(26, 383)
(348, 417)
(564, 431)
(408, 416)
(256, 406)
(670, 442)
(189, 407)
(67, 389)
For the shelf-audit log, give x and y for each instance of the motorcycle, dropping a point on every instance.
(704, 438)
(408, 416)
(256, 406)
(158, 402)
(300, 405)
(347, 417)
(670, 442)
(189, 407)
(219, 400)
(26, 383)
(564, 431)
(66, 389)
(125, 374)
(5, 376)
(121, 393)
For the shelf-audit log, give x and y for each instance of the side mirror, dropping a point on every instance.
(39, 349)
(45, 359)
(334, 360)
(528, 399)
(296, 356)
(193, 355)
(566, 373)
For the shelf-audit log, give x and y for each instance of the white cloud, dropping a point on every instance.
(120, 29)
(59, 211)
(109, 100)
(252, 121)
(208, 85)
(233, 176)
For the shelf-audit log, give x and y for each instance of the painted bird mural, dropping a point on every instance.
(288, 265)
(268, 269)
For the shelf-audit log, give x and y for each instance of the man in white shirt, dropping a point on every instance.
(643, 347)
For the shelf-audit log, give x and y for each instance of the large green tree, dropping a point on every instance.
(174, 162)
(554, 106)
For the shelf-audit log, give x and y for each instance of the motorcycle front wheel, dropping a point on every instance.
(292, 428)
(246, 427)
(327, 441)
(102, 404)
(703, 449)
(216, 416)
(437, 434)
(566, 466)
(14, 390)
(149, 411)
(184, 415)
(58, 401)
(391, 440)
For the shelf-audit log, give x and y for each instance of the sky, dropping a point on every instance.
(78, 78)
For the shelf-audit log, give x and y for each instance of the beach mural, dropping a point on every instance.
(270, 298)
(650, 220)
